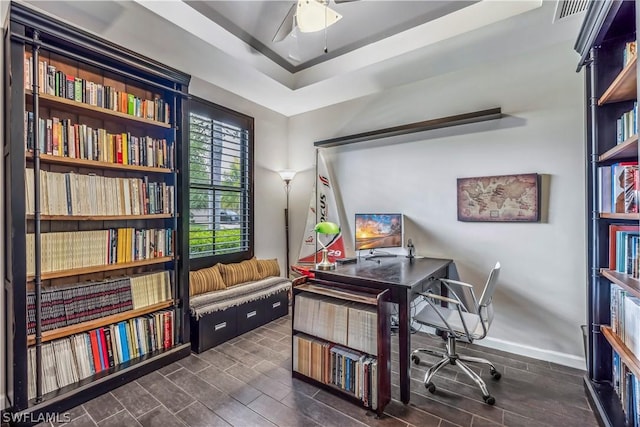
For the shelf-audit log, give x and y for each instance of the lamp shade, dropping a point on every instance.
(314, 15)
(327, 228)
(287, 174)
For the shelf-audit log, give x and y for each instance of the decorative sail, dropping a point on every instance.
(310, 253)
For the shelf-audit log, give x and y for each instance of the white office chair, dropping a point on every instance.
(463, 317)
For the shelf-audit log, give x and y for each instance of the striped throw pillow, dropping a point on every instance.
(205, 280)
(240, 272)
(268, 267)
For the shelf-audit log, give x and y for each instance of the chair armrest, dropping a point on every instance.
(440, 298)
(456, 282)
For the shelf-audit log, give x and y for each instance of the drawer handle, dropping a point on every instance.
(276, 304)
(220, 326)
(251, 314)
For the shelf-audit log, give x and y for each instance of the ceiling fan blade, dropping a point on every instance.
(343, 1)
(287, 25)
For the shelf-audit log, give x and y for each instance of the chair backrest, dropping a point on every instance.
(485, 308)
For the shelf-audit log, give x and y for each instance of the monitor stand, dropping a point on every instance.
(373, 255)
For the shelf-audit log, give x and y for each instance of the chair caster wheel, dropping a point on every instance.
(431, 387)
(415, 359)
(489, 400)
(495, 374)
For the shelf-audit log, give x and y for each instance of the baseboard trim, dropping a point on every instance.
(534, 352)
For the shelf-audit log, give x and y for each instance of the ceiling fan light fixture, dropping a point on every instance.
(314, 15)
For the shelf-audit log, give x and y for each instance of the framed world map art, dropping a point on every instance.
(503, 198)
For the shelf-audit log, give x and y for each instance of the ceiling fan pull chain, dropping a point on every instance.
(326, 11)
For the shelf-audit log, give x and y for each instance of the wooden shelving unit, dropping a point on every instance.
(59, 59)
(101, 268)
(607, 28)
(59, 160)
(624, 87)
(623, 216)
(628, 358)
(625, 150)
(623, 280)
(100, 217)
(92, 110)
(98, 323)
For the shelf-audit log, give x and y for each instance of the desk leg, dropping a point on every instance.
(404, 342)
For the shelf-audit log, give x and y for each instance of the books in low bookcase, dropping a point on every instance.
(341, 341)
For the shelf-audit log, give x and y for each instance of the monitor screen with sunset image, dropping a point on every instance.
(375, 231)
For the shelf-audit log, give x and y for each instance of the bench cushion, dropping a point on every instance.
(236, 295)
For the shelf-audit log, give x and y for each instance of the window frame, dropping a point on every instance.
(217, 112)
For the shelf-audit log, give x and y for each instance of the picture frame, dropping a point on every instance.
(499, 198)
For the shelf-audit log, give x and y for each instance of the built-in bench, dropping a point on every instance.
(231, 299)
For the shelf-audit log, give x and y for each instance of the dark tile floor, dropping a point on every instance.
(247, 382)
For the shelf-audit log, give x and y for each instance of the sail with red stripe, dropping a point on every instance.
(327, 210)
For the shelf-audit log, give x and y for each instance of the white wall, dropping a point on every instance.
(270, 156)
(541, 299)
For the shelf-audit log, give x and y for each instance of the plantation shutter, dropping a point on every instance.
(220, 169)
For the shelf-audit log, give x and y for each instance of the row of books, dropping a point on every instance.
(626, 386)
(625, 318)
(627, 124)
(78, 249)
(340, 321)
(57, 83)
(61, 137)
(624, 251)
(629, 52)
(346, 369)
(75, 194)
(68, 360)
(618, 188)
(70, 305)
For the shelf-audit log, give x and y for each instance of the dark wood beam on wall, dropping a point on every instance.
(442, 122)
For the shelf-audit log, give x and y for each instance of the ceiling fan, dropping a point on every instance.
(308, 16)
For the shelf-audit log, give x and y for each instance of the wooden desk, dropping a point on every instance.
(403, 277)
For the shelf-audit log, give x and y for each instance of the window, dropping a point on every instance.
(220, 184)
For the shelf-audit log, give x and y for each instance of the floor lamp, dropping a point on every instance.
(287, 176)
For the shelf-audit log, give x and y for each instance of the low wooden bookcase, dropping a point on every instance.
(341, 341)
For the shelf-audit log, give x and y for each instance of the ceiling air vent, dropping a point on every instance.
(566, 8)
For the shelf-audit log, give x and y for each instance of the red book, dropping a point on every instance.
(104, 355)
(94, 351)
(167, 330)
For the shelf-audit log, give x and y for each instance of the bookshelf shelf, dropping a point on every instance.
(625, 150)
(101, 268)
(619, 347)
(623, 280)
(624, 87)
(123, 373)
(623, 216)
(100, 217)
(92, 110)
(97, 323)
(59, 160)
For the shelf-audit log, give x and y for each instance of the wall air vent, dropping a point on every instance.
(566, 8)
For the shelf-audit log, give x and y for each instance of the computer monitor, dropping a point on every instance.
(377, 231)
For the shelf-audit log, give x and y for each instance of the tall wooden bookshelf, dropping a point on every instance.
(341, 341)
(94, 174)
(611, 91)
